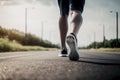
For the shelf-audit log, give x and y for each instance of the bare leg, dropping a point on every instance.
(76, 21)
(63, 27)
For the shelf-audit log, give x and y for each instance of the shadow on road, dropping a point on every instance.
(99, 61)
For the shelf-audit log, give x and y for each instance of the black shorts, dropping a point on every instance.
(64, 5)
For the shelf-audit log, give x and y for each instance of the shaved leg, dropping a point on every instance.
(76, 21)
(63, 27)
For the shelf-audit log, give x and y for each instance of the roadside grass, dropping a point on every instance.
(6, 45)
(106, 49)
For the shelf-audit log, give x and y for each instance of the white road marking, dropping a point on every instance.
(14, 56)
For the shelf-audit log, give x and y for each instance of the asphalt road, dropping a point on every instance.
(46, 65)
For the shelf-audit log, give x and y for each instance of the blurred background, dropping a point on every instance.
(35, 22)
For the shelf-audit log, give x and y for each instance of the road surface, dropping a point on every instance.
(46, 65)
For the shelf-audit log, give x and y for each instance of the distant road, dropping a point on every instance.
(46, 65)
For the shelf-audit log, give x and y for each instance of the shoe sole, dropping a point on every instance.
(74, 56)
(63, 55)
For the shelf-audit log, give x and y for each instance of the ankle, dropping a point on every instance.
(64, 48)
(74, 35)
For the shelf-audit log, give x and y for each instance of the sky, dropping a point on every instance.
(43, 15)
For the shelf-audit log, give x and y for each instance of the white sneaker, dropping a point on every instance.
(72, 43)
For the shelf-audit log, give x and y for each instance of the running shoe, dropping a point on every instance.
(63, 53)
(73, 48)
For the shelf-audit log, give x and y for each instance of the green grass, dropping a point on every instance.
(7, 45)
(24, 39)
(106, 50)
